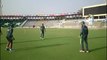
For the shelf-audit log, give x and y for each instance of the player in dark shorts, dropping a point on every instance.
(42, 31)
(10, 38)
(84, 36)
(33, 26)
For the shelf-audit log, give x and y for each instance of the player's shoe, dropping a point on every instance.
(7, 49)
(82, 51)
(41, 38)
(87, 51)
(10, 50)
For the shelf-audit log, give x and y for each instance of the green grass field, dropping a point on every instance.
(59, 44)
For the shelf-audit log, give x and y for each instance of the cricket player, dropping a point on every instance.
(83, 36)
(0, 31)
(0, 27)
(90, 20)
(10, 38)
(42, 31)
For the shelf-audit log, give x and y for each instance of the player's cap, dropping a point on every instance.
(42, 23)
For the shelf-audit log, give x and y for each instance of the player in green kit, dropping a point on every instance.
(83, 37)
(42, 31)
(0, 31)
(10, 38)
(0, 28)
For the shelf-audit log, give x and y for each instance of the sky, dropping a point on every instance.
(41, 7)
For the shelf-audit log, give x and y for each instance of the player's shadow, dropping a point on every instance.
(60, 37)
(22, 41)
(95, 49)
(37, 47)
(45, 39)
(97, 37)
(49, 38)
(27, 41)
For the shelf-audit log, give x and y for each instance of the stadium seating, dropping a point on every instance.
(71, 23)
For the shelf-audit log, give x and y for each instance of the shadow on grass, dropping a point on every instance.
(22, 41)
(37, 47)
(104, 47)
(39, 40)
(58, 37)
(97, 37)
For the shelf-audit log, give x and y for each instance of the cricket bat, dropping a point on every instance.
(80, 39)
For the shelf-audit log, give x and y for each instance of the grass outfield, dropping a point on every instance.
(59, 44)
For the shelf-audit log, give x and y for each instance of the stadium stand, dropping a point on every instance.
(29, 23)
